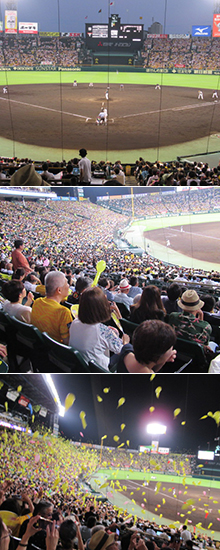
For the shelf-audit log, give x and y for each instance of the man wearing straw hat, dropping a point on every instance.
(189, 323)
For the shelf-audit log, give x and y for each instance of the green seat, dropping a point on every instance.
(29, 344)
(7, 337)
(193, 353)
(125, 312)
(67, 359)
(128, 326)
(3, 367)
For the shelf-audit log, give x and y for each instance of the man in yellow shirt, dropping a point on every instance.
(48, 315)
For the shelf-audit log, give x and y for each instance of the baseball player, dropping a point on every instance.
(215, 95)
(200, 94)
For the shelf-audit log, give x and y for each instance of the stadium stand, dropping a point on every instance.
(73, 237)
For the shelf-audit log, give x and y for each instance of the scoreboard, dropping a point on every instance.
(114, 36)
(208, 463)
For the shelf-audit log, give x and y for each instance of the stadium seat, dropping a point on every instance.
(29, 344)
(67, 359)
(193, 354)
(7, 336)
(214, 321)
(128, 326)
(123, 310)
(3, 367)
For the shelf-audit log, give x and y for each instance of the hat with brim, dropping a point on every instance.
(101, 540)
(124, 284)
(27, 176)
(190, 301)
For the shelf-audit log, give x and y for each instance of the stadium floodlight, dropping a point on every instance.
(156, 428)
(53, 391)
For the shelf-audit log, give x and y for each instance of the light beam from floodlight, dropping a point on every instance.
(156, 429)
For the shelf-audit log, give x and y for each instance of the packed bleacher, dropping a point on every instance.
(50, 257)
(68, 51)
(188, 53)
(37, 51)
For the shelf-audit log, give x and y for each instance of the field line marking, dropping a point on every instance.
(45, 108)
(165, 495)
(196, 234)
(184, 107)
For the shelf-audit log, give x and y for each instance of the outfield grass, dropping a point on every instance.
(166, 478)
(47, 77)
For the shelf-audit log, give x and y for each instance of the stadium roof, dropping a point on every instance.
(33, 387)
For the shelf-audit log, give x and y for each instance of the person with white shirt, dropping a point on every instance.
(185, 535)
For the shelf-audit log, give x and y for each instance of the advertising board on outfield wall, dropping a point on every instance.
(216, 24)
(10, 22)
(28, 28)
(201, 30)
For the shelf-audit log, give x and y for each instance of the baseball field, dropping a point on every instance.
(165, 499)
(44, 116)
(185, 240)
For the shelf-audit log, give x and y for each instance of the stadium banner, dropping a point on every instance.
(144, 448)
(42, 33)
(1, 26)
(74, 34)
(163, 450)
(28, 28)
(157, 35)
(154, 446)
(201, 30)
(216, 25)
(10, 22)
(179, 35)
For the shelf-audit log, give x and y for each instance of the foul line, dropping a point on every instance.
(196, 234)
(184, 108)
(164, 495)
(45, 108)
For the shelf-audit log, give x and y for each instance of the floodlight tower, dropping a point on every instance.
(155, 428)
(11, 5)
(216, 6)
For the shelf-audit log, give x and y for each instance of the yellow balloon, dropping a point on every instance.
(121, 402)
(176, 412)
(157, 391)
(70, 398)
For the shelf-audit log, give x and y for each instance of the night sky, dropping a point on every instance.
(69, 16)
(195, 395)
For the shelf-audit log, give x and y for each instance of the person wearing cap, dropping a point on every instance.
(189, 323)
(28, 177)
(121, 297)
(101, 540)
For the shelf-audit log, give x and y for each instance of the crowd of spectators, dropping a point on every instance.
(58, 265)
(34, 51)
(189, 53)
(186, 53)
(45, 480)
(145, 173)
